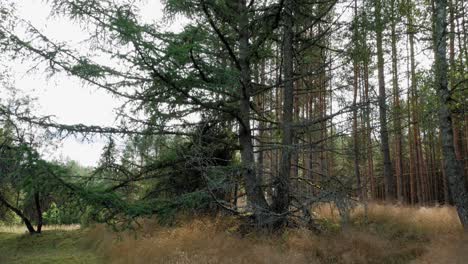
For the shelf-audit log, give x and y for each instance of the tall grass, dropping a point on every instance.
(387, 234)
(436, 231)
(427, 221)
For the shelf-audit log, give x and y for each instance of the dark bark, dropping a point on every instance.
(37, 202)
(452, 166)
(253, 187)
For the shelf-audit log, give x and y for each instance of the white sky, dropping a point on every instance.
(67, 99)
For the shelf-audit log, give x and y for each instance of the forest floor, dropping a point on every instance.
(389, 234)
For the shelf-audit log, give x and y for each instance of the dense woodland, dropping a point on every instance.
(257, 109)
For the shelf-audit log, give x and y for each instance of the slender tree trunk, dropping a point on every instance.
(412, 160)
(356, 70)
(295, 155)
(419, 159)
(388, 173)
(367, 109)
(412, 176)
(370, 154)
(281, 203)
(397, 108)
(452, 166)
(261, 104)
(435, 182)
(357, 173)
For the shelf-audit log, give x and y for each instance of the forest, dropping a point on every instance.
(276, 131)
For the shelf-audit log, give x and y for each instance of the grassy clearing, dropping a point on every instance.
(389, 234)
(64, 245)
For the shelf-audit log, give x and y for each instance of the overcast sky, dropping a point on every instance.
(67, 98)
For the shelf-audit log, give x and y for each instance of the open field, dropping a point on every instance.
(390, 234)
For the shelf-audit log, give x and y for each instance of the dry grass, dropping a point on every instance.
(21, 229)
(426, 221)
(386, 234)
(390, 234)
(432, 221)
(435, 230)
(446, 249)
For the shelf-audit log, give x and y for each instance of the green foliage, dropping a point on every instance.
(85, 69)
(63, 214)
(174, 7)
(429, 102)
(26, 179)
(168, 175)
(125, 23)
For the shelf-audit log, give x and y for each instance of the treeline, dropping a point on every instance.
(265, 109)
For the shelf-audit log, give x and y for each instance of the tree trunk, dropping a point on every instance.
(388, 174)
(18, 212)
(37, 201)
(370, 154)
(357, 173)
(281, 203)
(452, 166)
(356, 70)
(453, 79)
(397, 108)
(253, 186)
(419, 162)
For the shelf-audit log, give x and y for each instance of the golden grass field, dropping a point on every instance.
(389, 234)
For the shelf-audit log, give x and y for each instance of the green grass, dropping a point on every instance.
(52, 246)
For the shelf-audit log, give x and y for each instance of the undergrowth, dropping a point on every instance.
(386, 234)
